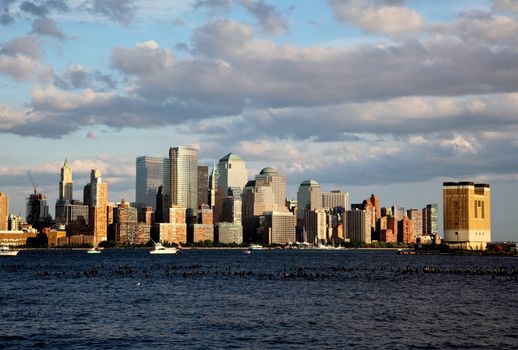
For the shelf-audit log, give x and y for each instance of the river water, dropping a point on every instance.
(209, 299)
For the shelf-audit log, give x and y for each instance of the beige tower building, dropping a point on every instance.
(231, 173)
(98, 215)
(65, 183)
(4, 209)
(467, 215)
(183, 180)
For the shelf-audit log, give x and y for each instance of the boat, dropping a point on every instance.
(6, 251)
(96, 250)
(256, 247)
(160, 249)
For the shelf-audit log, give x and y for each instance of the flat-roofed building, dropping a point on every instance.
(467, 215)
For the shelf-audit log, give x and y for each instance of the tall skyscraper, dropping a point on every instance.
(203, 185)
(213, 182)
(430, 220)
(231, 173)
(415, 216)
(38, 210)
(65, 196)
(467, 214)
(183, 182)
(150, 175)
(4, 211)
(270, 177)
(98, 216)
(309, 197)
(65, 183)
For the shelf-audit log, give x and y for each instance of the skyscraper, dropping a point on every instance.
(183, 180)
(213, 181)
(467, 214)
(150, 175)
(231, 173)
(203, 185)
(4, 211)
(270, 177)
(309, 197)
(98, 216)
(65, 183)
(65, 196)
(359, 225)
(415, 216)
(430, 220)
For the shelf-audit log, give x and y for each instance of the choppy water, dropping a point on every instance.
(269, 299)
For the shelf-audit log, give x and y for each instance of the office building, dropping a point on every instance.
(231, 173)
(183, 181)
(203, 185)
(359, 225)
(149, 176)
(309, 197)
(38, 211)
(98, 215)
(335, 199)
(276, 227)
(4, 211)
(415, 216)
(430, 220)
(467, 215)
(315, 226)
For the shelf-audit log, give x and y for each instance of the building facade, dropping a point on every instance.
(467, 215)
(183, 180)
(4, 211)
(149, 176)
(98, 215)
(203, 185)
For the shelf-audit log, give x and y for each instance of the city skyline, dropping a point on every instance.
(317, 90)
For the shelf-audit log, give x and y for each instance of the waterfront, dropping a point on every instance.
(268, 299)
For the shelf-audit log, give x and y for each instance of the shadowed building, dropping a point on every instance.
(150, 173)
(467, 215)
(203, 185)
(231, 173)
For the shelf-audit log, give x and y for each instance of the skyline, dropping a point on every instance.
(319, 90)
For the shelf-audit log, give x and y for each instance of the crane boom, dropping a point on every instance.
(34, 187)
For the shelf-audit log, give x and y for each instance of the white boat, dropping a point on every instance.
(94, 251)
(256, 247)
(160, 249)
(6, 251)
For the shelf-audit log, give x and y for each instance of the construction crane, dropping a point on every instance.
(34, 187)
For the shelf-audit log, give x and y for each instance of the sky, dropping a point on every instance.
(391, 97)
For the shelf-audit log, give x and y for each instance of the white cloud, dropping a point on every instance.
(377, 16)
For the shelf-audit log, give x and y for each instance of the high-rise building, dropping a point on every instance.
(150, 175)
(430, 220)
(4, 211)
(415, 216)
(405, 231)
(38, 210)
(213, 182)
(65, 196)
(270, 177)
(277, 227)
(335, 199)
(183, 181)
(309, 197)
(203, 185)
(98, 215)
(65, 183)
(315, 226)
(231, 173)
(125, 220)
(467, 214)
(359, 225)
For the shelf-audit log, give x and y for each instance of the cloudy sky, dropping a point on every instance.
(391, 97)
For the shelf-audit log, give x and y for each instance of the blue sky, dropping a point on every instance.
(391, 97)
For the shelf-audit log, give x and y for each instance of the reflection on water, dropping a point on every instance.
(268, 299)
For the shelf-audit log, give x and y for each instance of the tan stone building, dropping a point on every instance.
(467, 215)
(98, 207)
(4, 211)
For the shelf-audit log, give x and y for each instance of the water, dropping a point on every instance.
(129, 299)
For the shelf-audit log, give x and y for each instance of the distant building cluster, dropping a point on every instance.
(178, 201)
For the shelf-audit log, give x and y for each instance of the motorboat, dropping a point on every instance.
(96, 250)
(6, 251)
(160, 249)
(256, 247)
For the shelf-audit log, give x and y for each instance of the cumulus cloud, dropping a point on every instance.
(377, 16)
(47, 26)
(33, 9)
(19, 57)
